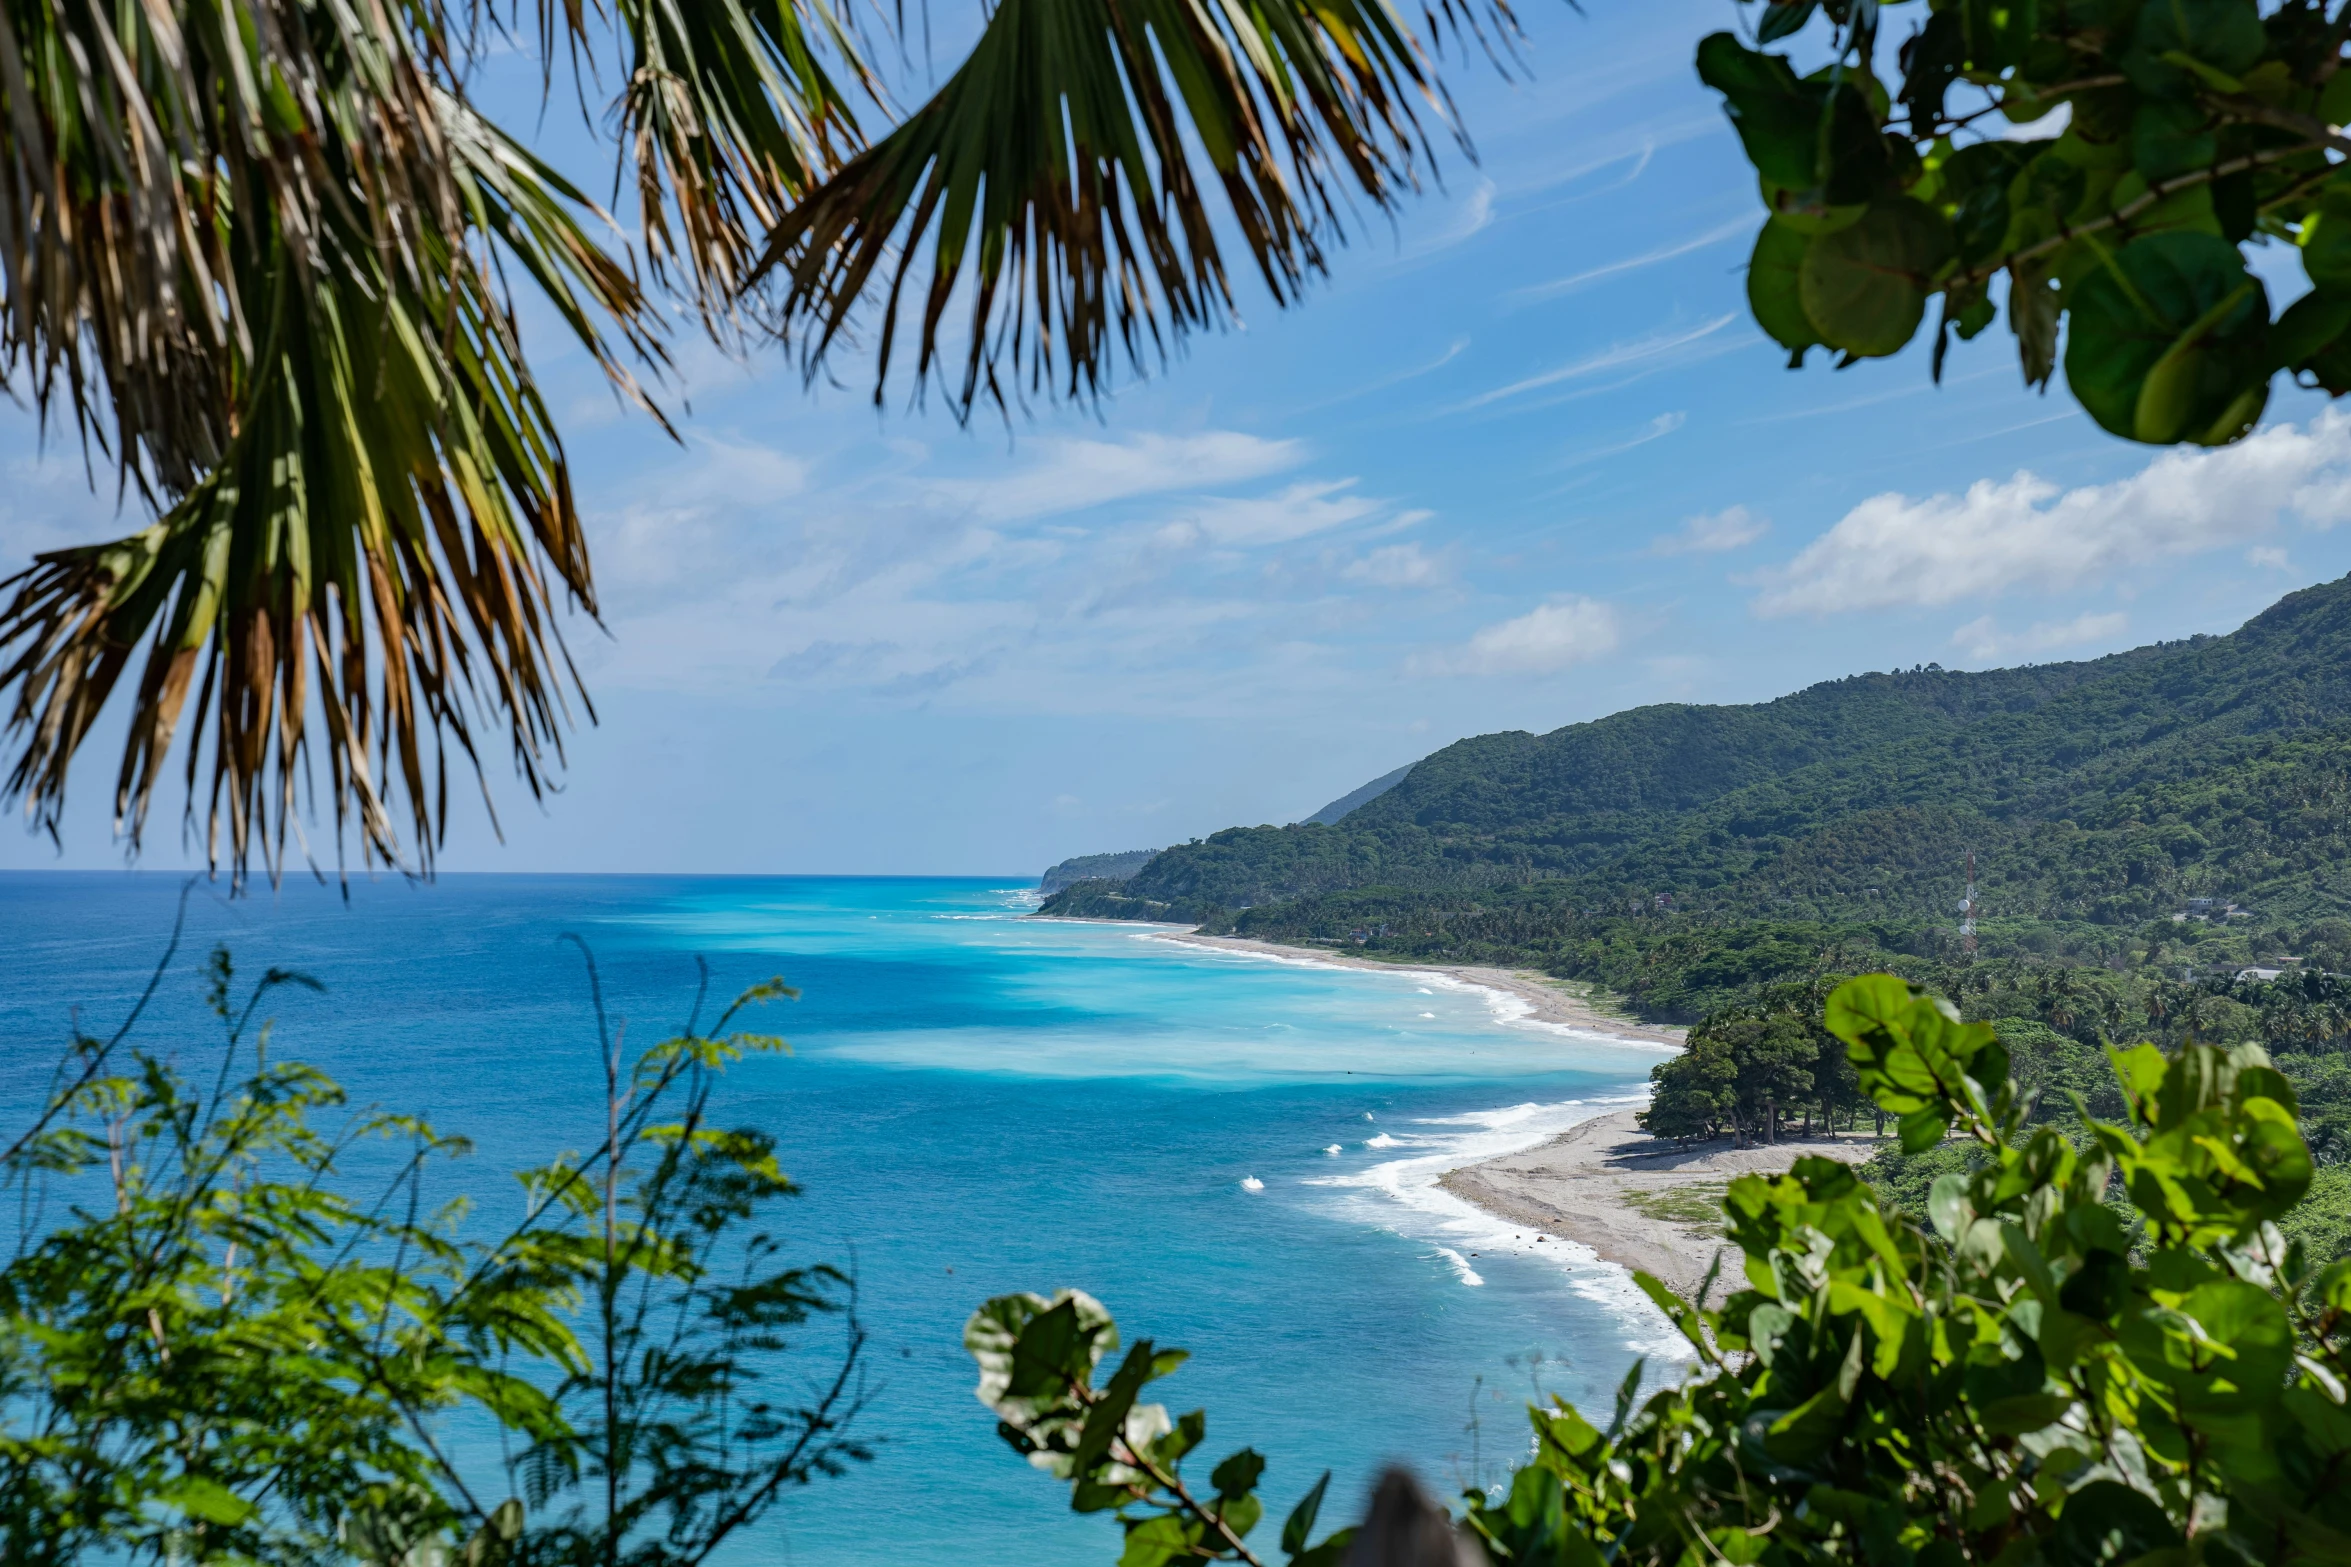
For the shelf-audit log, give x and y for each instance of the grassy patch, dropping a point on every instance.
(1699, 1205)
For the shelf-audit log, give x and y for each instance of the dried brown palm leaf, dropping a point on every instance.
(1055, 180)
(252, 248)
(266, 225)
(727, 114)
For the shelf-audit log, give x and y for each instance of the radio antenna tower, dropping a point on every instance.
(1967, 911)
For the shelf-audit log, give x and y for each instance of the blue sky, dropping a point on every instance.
(1521, 461)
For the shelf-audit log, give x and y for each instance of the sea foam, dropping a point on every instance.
(1402, 1195)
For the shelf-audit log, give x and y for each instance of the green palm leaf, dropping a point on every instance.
(254, 248)
(1067, 161)
(257, 250)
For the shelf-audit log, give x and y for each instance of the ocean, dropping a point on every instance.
(1235, 1154)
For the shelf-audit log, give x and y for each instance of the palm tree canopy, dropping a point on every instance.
(259, 253)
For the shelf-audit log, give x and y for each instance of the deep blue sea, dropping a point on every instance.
(1236, 1154)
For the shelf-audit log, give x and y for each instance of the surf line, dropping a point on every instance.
(1518, 1005)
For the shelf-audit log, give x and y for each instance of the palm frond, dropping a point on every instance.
(254, 249)
(728, 115)
(1060, 161)
(363, 498)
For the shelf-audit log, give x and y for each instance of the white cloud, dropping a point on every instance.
(1540, 642)
(1647, 258)
(1395, 566)
(1617, 356)
(1982, 638)
(1070, 475)
(2025, 531)
(2270, 556)
(668, 530)
(883, 572)
(1656, 429)
(1469, 218)
(1711, 533)
(1289, 513)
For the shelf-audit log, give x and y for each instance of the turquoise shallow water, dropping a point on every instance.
(1236, 1155)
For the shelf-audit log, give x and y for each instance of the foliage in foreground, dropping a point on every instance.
(231, 1329)
(2044, 1376)
(2194, 128)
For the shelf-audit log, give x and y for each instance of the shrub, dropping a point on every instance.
(2034, 1374)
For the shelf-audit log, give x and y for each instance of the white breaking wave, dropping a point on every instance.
(1401, 1195)
(1332, 1150)
(1461, 1268)
(1505, 1006)
(1250, 1183)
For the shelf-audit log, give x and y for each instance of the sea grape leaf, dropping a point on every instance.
(2169, 341)
(1931, 62)
(1773, 292)
(1976, 181)
(2326, 241)
(1783, 17)
(2169, 138)
(1777, 117)
(2173, 38)
(2316, 342)
(1865, 287)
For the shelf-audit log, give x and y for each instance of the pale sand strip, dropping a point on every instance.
(1593, 1182)
(1555, 1001)
(1638, 1201)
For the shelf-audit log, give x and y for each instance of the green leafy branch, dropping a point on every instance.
(1037, 1360)
(2197, 128)
(2101, 1350)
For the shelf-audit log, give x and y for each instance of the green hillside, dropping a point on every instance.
(2103, 793)
(1094, 867)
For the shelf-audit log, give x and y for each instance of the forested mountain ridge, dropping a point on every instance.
(1117, 866)
(2105, 791)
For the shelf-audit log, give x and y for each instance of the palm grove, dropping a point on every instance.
(260, 257)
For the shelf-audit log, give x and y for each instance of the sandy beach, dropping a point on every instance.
(1558, 1001)
(1639, 1201)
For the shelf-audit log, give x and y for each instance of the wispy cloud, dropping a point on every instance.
(1656, 429)
(1162, 573)
(1395, 566)
(1712, 533)
(1657, 345)
(1873, 398)
(1470, 217)
(2269, 557)
(1071, 475)
(1543, 641)
(1894, 550)
(1453, 351)
(1983, 639)
(1632, 148)
(1294, 512)
(1648, 258)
